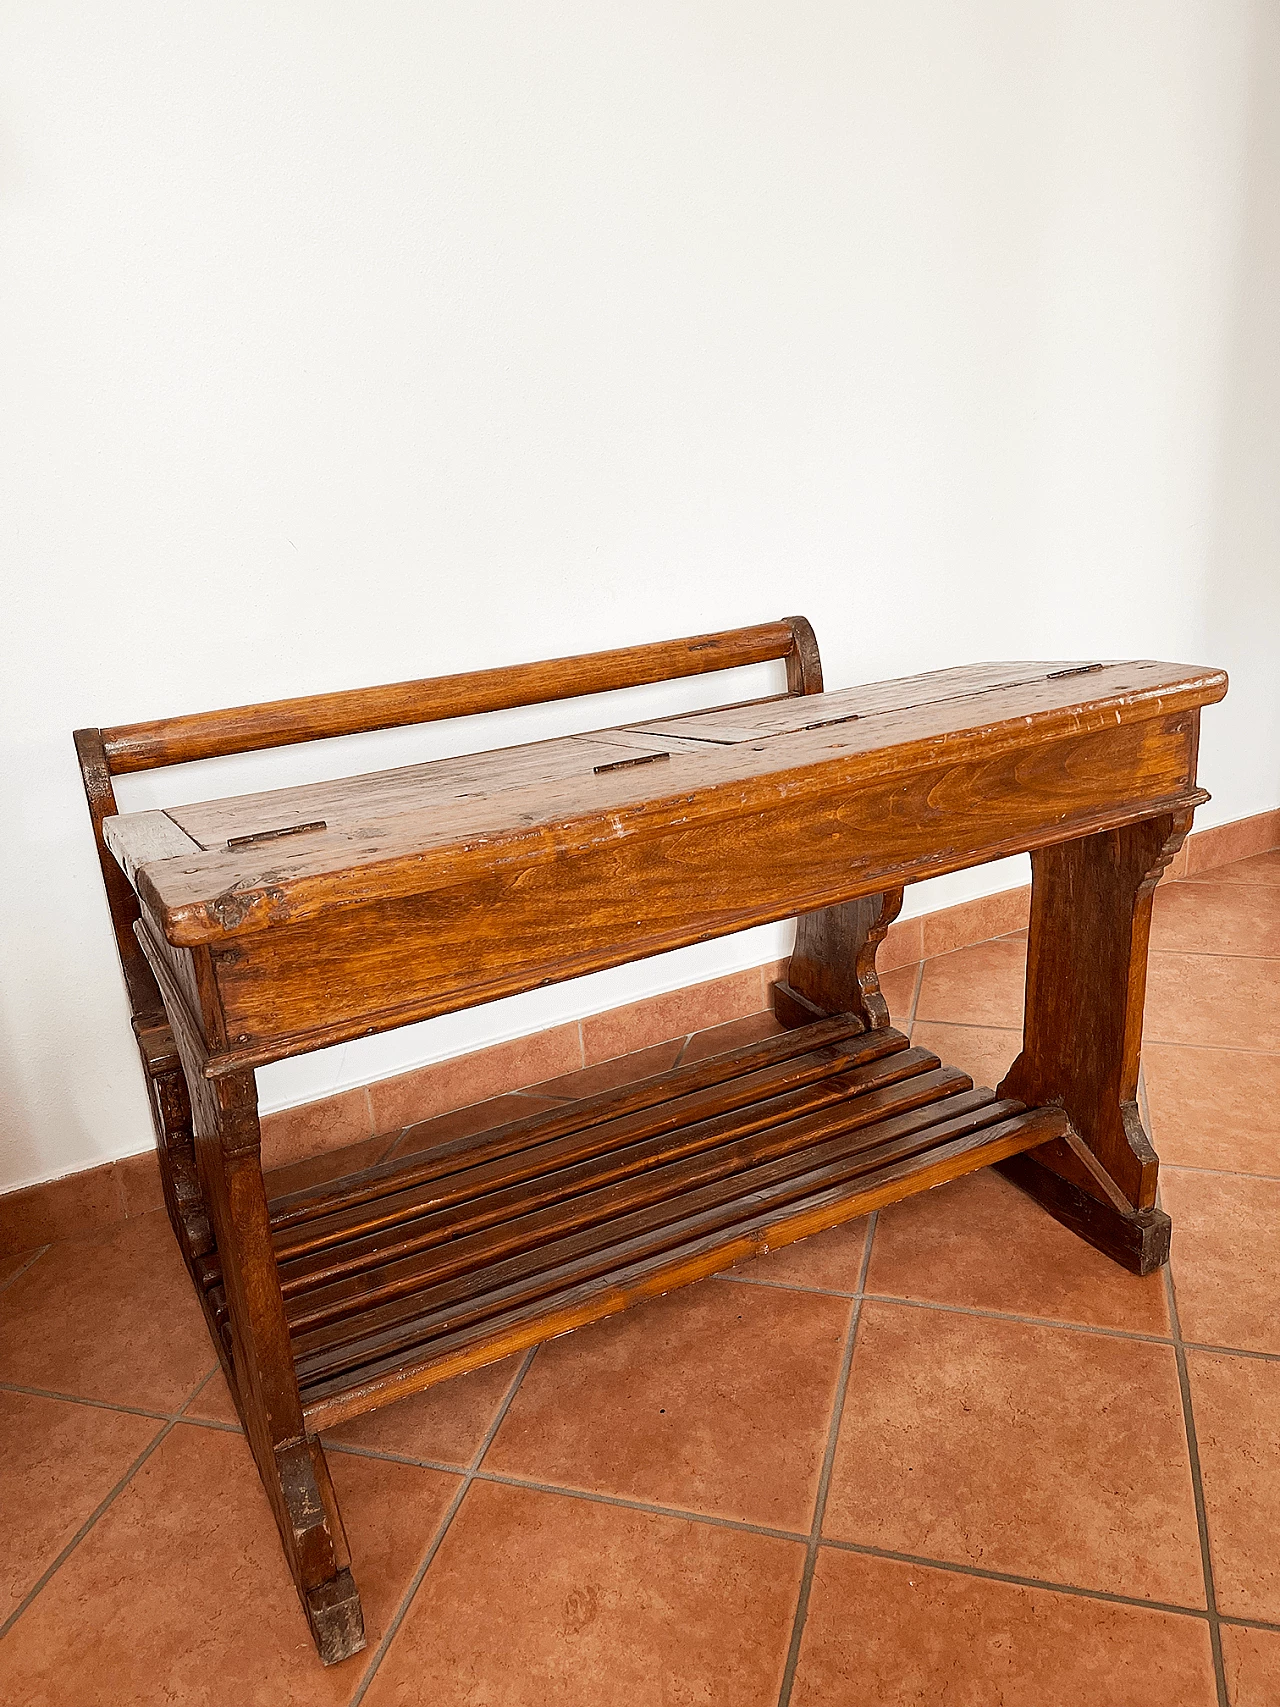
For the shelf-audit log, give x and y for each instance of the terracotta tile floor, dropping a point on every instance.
(950, 1455)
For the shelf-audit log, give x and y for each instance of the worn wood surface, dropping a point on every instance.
(350, 907)
(223, 893)
(836, 1040)
(521, 924)
(260, 1362)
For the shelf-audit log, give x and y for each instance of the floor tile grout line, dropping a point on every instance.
(25, 1267)
(442, 1530)
(476, 1473)
(1016, 1316)
(593, 1496)
(824, 1475)
(84, 1528)
(1197, 1487)
(974, 1310)
(972, 1025)
(103, 1505)
(955, 1567)
(392, 1630)
(1232, 1351)
(783, 1285)
(345, 1449)
(1219, 1173)
(711, 1520)
(1210, 953)
(200, 1389)
(1247, 1623)
(1229, 883)
(95, 1404)
(1158, 1042)
(210, 1422)
(1208, 1048)
(915, 995)
(736, 1279)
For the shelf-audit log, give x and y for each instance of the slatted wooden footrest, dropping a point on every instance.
(409, 1273)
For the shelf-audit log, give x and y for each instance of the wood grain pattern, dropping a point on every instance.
(329, 1403)
(528, 923)
(350, 907)
(280, 723)
(729, 726)
(833, 964)
(602, 1149)
(836, 1040)
(348, 804)
(372, 1267)
(144, 837)
(221, 894)
(1086, 987)
(490, 1272)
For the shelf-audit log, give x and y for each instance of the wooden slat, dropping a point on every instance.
(855, 1048)
(608, 1148)
(314, 717)
(466, 1280)
(327, 1403)
(392, 1262)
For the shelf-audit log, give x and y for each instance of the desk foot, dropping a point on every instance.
(336, 1618)
(792, 1009)
(1138, 1239)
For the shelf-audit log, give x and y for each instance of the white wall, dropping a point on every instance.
(350, 343)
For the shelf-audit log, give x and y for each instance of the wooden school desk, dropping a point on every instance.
(265, 926)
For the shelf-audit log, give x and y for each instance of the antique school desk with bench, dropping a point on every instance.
(261, 927)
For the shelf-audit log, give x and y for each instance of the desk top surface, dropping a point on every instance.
(205, 869)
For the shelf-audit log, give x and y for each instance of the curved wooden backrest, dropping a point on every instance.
(284, 722)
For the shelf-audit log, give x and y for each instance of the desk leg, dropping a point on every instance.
(292, 1467)
(1082, 1032)
(175, 1143)
(833, 965)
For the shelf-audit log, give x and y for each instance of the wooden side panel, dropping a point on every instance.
(833, 964)
(193, 972)
(1086, 988)
(370, 967)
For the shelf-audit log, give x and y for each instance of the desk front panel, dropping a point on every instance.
(372, 966)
